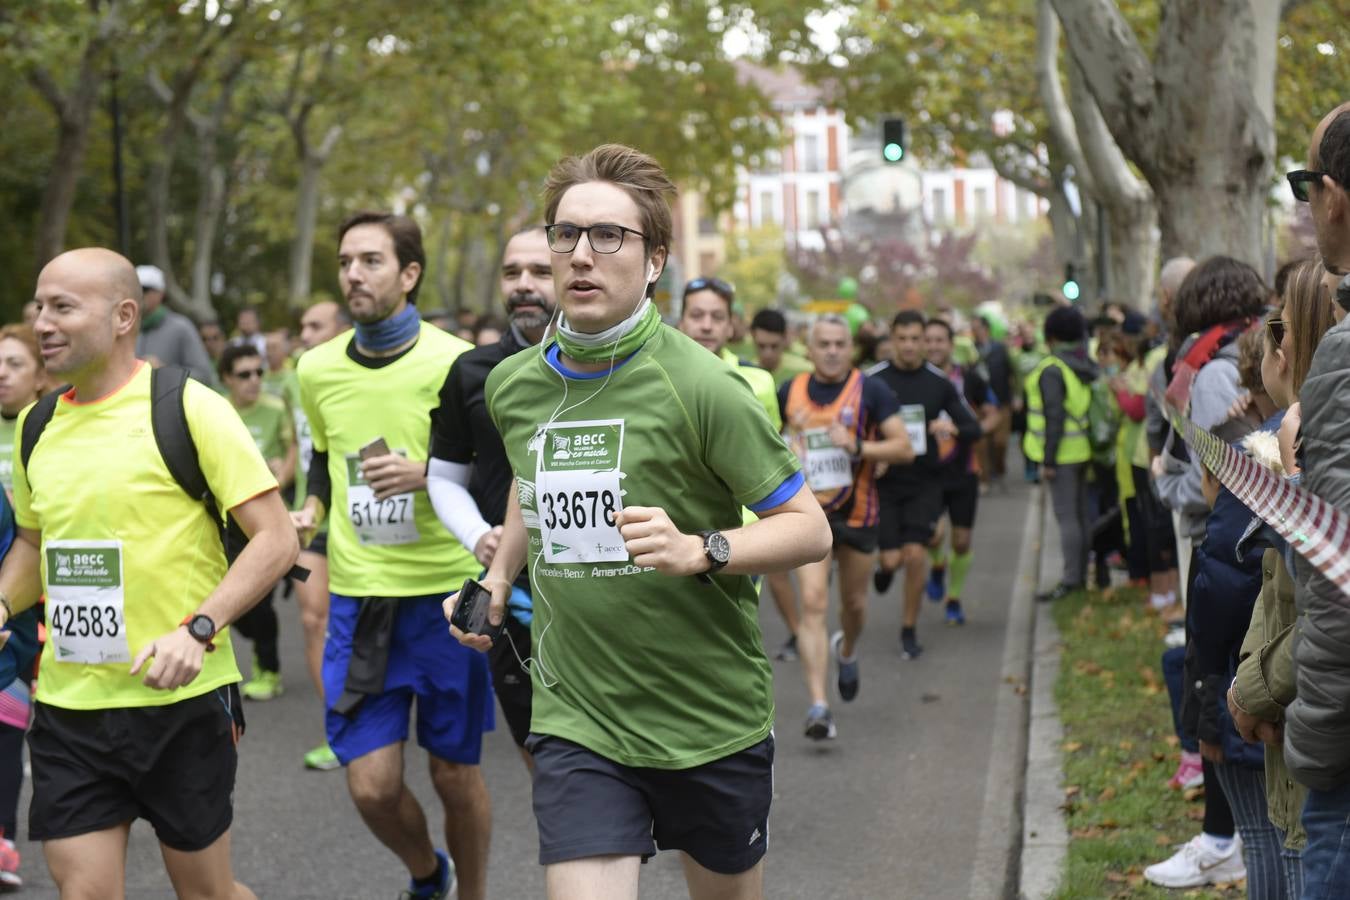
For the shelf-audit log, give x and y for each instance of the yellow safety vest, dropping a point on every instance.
(1074, 446)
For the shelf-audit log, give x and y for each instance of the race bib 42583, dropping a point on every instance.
(86, 617)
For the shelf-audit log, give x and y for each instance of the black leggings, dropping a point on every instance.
(11, 778)
(259, 625)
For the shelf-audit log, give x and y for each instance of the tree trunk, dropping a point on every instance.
(1198, 121)
(58, 195)
(1127, 202)
(312, 161)
(74, 111)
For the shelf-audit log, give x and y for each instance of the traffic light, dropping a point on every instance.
(893, 140)
(1071, 288)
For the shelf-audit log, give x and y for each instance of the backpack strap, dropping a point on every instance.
(168, 419)
(35, 422)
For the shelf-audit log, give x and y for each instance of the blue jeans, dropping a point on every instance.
(1262, 846)
(1326, 859)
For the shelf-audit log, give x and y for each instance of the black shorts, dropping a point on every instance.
(960, 497)
(510, 681)
(586, 805)
(173, 765)
(910, 513)
(864, 539)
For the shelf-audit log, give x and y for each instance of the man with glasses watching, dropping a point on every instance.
(633, 455)
(1317, 724)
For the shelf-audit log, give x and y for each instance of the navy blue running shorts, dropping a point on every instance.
(586, 805)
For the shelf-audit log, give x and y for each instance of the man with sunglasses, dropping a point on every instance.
(269, 423)
(633, 455)
(1317, 724)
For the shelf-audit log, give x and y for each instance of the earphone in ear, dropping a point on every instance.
(651, 272)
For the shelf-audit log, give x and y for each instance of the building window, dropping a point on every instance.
(981, 202)
(766, 214)
(811, 159)
(939, 205)
(812, 209)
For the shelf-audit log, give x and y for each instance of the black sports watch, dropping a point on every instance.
(717, 549)
(202, 629)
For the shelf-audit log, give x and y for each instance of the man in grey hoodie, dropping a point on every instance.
(1317, 723)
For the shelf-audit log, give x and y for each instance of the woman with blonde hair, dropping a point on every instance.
(1264, 683)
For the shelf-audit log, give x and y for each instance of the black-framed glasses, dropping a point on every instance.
(716, 285)
(1300, 179)
(1277, 328)
(248, 374)
(605, 237)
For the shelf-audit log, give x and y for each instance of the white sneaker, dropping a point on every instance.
(1197, 864)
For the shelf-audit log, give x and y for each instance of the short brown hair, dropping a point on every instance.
(1219, 290)
(1309, 312)
(403, 231)
(639, 175)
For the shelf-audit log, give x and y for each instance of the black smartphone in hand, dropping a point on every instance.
(471, 611)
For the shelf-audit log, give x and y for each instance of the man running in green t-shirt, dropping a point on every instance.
(241, 372)
(368, 398)
(653, 700)
(137, 717)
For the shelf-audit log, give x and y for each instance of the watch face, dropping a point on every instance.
(719, 548)
(201, 628)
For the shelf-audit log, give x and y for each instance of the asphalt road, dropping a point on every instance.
(891, 809)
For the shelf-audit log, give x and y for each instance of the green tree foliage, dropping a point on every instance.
(452, 113)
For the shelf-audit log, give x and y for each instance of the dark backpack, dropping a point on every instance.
(168, 421)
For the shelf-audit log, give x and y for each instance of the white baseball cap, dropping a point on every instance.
(151, 278)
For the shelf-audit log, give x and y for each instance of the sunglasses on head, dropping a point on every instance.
(716, 285)
(1301, 179)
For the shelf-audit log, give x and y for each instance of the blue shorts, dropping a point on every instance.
(450, 681)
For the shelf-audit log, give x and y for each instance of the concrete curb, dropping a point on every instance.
(1045, 836)
(995, 868)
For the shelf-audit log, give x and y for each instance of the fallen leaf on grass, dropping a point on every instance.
(1172, 740)
(1072, 791)
(1163, 840)
(1073, 746)
(1192, 794)
(1108, 793)
(1196, 814)
(1126, 745)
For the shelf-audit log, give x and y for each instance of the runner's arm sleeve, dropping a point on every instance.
(1053, 393)
(447, 485)
(739, 445)
(880, 400)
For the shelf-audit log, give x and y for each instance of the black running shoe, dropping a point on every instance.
(850, 678)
